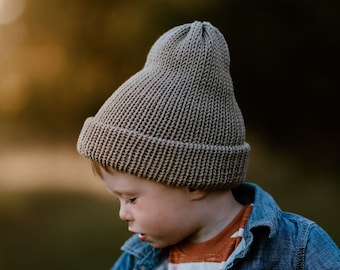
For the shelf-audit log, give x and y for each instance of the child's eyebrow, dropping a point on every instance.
(128, 194)
(121, 193)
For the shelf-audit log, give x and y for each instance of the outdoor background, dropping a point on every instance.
(59, 61)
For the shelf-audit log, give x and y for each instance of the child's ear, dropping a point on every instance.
(196, 194)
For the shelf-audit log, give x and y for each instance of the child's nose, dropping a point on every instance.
(124, 214)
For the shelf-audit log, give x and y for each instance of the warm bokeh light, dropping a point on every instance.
(59, 61)
(41, 167)
(10, 10)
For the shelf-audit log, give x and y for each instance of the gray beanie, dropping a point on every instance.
(176, 121)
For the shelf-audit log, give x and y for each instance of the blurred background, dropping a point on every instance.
(59, 61)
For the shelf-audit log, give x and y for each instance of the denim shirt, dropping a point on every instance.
(272, 240)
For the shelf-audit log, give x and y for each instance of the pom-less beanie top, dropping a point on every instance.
(176, 121)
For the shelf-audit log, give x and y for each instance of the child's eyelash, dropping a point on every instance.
(128, 200)
(132, 200)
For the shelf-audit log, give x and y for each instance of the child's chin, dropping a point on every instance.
(157, 244)
(160, 244)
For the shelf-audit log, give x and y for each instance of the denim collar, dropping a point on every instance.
(266, 212)
(146, 254)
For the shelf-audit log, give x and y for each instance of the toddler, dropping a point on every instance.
(170, 145)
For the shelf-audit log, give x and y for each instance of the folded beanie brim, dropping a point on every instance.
(176, 163)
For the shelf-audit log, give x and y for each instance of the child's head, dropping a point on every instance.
(165, 215)
(154, 210)
(176, 121)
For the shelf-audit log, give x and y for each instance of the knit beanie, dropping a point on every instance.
(176, 121)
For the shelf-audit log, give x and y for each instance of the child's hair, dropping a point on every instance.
(97, 168)
(176, 121)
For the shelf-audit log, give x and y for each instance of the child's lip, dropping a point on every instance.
(142, 237)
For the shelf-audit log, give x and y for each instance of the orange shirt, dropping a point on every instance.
(214, 252)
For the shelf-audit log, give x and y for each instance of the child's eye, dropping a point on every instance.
(131, 200)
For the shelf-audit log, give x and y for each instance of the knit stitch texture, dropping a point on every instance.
(176, 121)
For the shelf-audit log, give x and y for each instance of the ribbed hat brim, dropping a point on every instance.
(198, 166)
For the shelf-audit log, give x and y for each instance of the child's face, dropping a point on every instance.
(161, 214)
